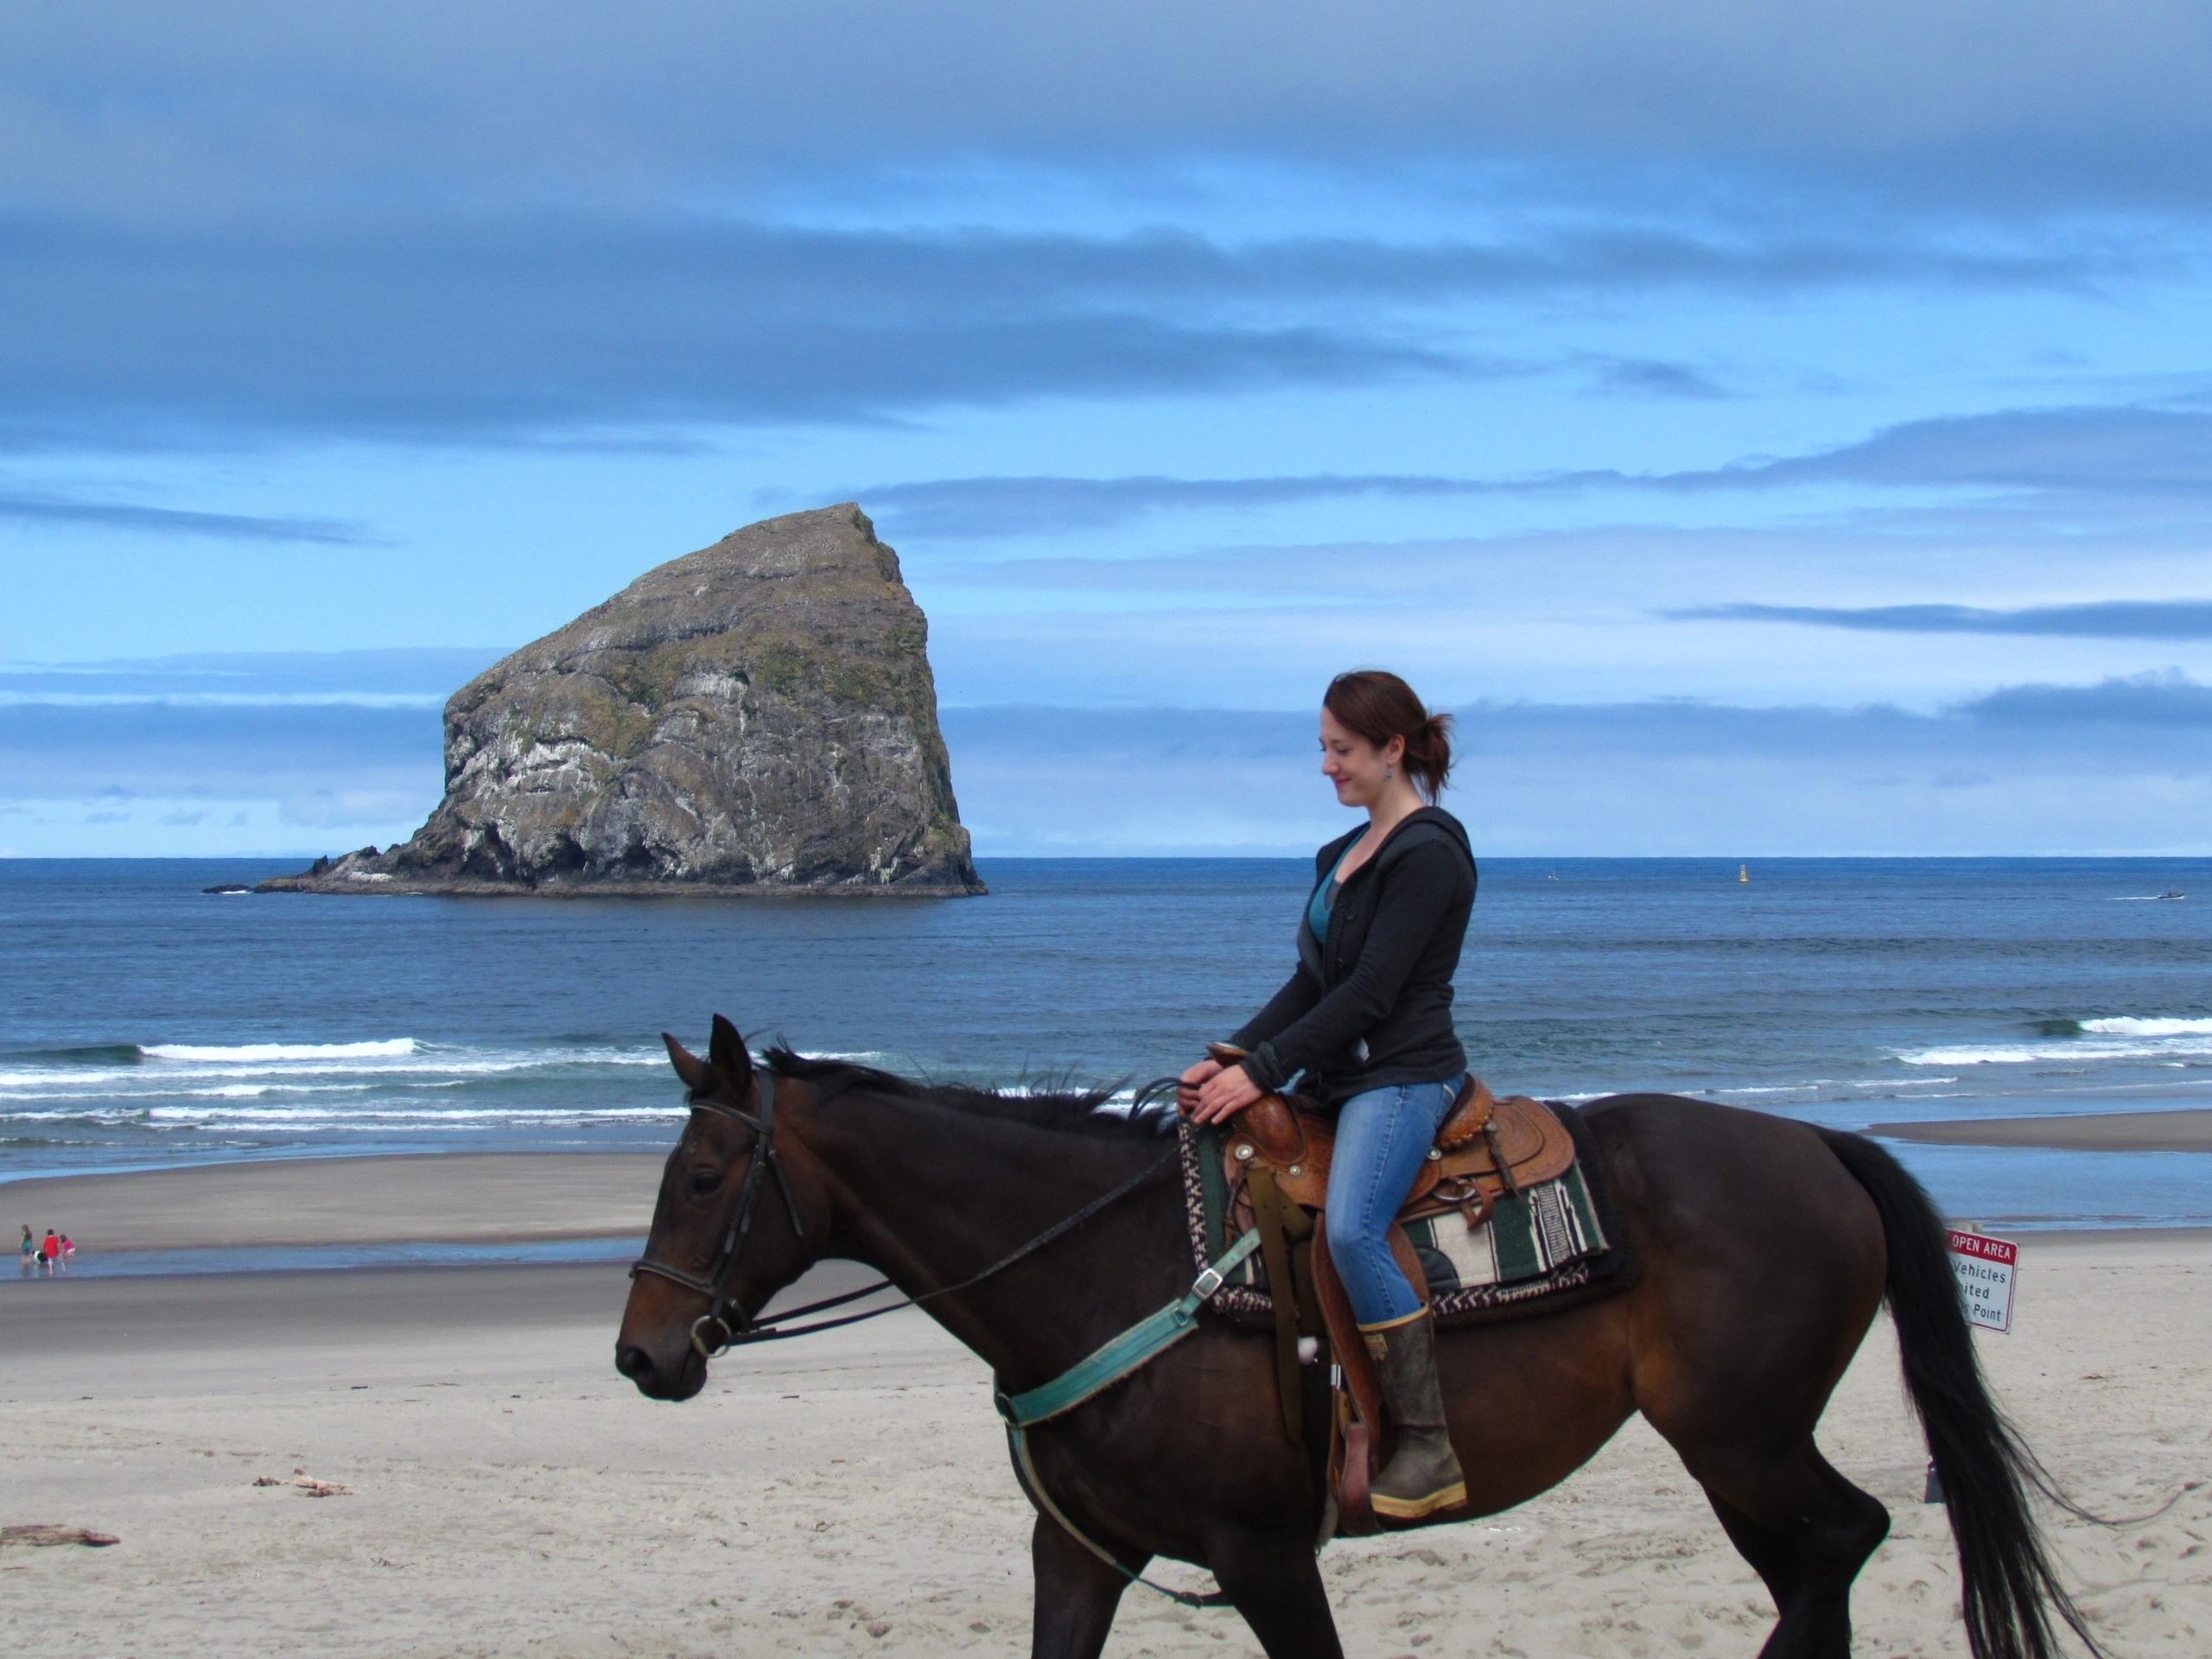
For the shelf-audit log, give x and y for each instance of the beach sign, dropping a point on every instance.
(1983, 1265)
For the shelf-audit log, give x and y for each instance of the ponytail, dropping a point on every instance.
(1428, 755)
(1380, 706)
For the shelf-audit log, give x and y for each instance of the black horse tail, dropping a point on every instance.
(2010, 1589)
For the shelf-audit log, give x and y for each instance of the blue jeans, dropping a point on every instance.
(1382, 1138)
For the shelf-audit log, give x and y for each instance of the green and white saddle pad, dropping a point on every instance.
(1539, 1249)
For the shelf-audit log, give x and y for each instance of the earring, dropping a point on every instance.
(1388, 774)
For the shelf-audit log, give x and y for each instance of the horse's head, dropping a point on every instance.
(725, 1235)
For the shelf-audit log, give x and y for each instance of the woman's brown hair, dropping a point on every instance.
(1380, 706)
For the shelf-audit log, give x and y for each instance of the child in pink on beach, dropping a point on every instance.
(68, 1251)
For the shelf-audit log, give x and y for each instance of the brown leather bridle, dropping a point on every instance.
(715, 1284)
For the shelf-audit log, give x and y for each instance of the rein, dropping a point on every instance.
(716, 1283)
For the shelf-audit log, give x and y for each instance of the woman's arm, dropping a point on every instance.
(1419, 889)
(1298, 994)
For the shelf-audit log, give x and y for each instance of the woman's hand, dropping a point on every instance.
(1225, 1094)
(1186, 1090)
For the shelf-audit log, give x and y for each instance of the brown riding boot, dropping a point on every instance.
(1423, 1475)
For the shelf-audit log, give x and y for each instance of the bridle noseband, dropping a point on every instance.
(716, 1283)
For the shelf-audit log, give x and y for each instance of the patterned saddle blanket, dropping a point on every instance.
(1548, 1244)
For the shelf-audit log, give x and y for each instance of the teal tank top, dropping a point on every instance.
(1325, 900)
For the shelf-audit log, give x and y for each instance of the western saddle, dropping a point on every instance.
(1276, 1158)
(1486, 1149)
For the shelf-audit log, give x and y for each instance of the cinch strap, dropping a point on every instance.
(1135, 1347)
(1138, 1345)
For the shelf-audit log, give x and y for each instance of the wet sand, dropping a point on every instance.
(452, 1197)
(849, 1494)
(2181, 1131)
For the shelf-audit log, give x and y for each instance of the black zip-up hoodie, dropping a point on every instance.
(1371, 1004)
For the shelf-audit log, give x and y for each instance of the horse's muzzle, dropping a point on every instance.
(657, 1380)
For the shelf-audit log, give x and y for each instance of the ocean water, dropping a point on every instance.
(145, 1023)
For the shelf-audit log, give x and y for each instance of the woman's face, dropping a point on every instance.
(1354, 766)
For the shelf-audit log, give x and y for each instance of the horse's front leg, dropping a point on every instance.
(1077, 1594)
(1274, 1579)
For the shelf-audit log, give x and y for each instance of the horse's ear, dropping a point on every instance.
(697, 1075)
(731, 1061)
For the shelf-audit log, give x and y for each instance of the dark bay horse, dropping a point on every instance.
(1729, 1342)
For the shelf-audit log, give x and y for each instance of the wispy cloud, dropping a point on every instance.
(2072, 107)
(37, 509)
(2167, 618)
(2108, 451)
(973, 508)
(411, 676)
(2161, 703)
(435, 327)
(2115, 454)
(2128, 450)
(50, 751)
(1643, 376)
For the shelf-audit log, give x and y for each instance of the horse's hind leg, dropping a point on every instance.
(1274, 1581)
(1806, 1531)
(1077, 1595)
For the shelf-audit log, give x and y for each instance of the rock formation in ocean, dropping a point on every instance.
(756, 716)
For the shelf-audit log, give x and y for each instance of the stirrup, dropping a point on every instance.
(1452, 1496)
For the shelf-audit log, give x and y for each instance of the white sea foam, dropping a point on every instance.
(1843, 1088)
(2164, 1039)
(2067, 1052)
(373, 1119)
(2128, 1026)
(1988, 1054)
(256, 1090)
(376, 1049)
(404, 1062)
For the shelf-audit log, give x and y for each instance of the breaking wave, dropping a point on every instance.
(379, 1048)
(285, 1091)
(2173, 1039)
(2133, 1028)
(282, 1093)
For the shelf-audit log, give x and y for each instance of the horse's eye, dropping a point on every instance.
(704, 1181)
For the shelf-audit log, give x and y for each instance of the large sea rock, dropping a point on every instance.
(758, 716)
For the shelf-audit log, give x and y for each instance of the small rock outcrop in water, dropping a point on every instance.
(756, 716)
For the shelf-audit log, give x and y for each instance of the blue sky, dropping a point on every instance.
(1775, 428)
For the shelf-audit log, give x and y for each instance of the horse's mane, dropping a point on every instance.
(1074, 1111)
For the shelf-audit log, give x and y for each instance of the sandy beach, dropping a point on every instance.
(508, 1494)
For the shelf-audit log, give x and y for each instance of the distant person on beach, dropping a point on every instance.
(30, 1250)
(68, 1251)
(50, 1251)
(1367, 1018)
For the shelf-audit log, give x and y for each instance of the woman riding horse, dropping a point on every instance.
(1367, 1017)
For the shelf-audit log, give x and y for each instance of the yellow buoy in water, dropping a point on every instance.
(1743, 873)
